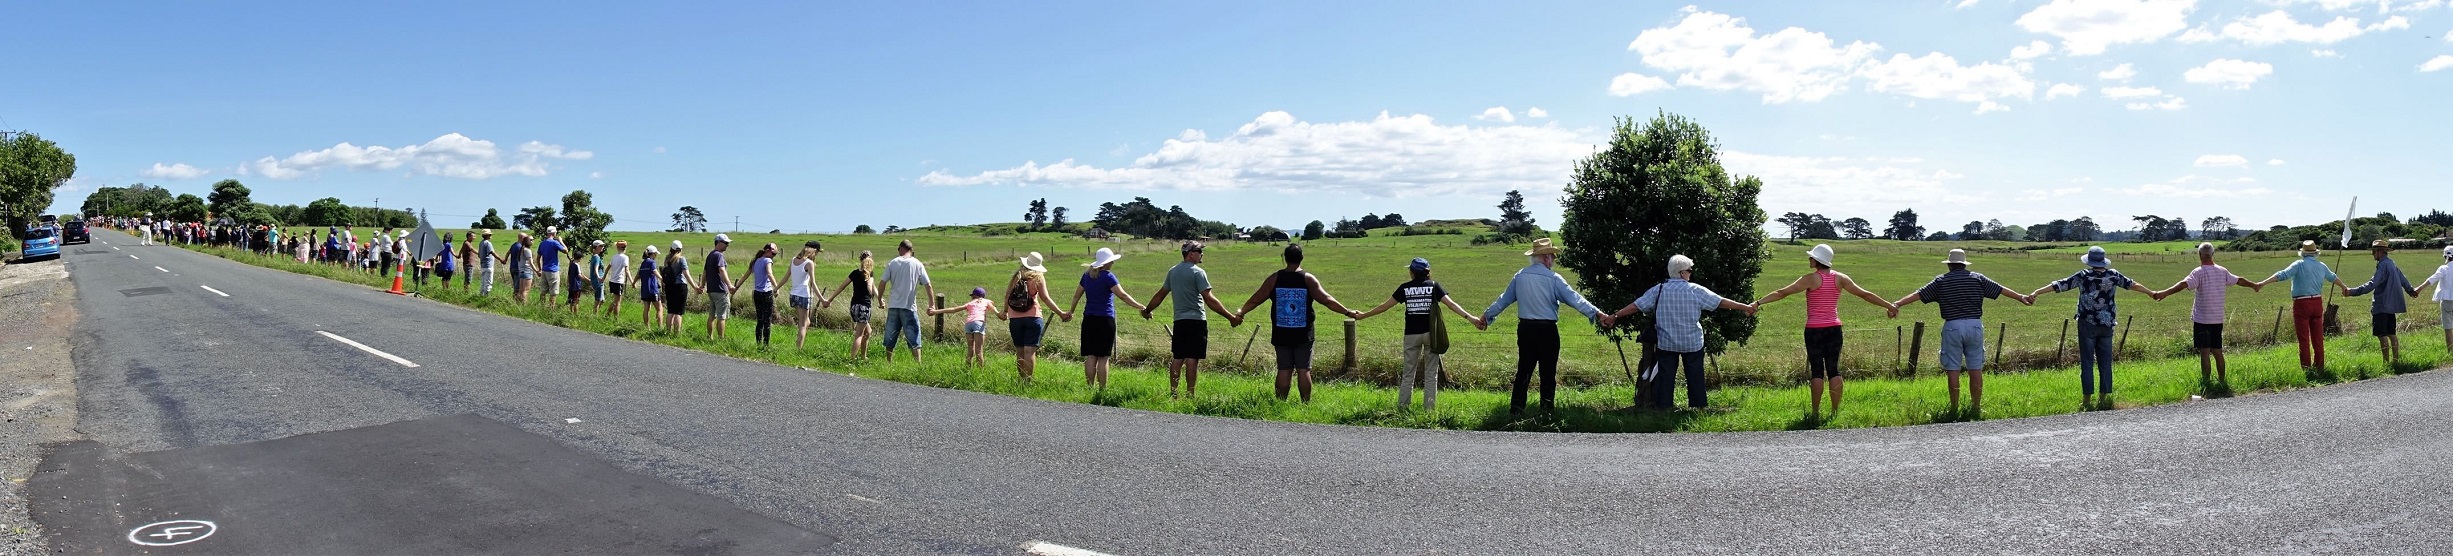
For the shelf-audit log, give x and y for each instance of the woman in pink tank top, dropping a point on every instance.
(1822, 287)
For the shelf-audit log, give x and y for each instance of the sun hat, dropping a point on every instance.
(1680, 263)
(651, 249)
(1103, 257)
(1821, 253)
(1031, 262)
(2308, 246)
(2381, 244)
(979, 292)
(1542, 247)
(721, 238)
(2096, 258)
(1419, 264)
(1956, 256)
(488, 232)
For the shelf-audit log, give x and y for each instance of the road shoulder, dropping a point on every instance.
(38, 393)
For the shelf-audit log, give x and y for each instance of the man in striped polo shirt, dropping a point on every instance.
(1962, 295)
(2206, 313)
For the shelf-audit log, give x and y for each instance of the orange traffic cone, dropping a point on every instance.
(396, 270)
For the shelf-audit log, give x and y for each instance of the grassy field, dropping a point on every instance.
(1362, 273)
(1598, 404)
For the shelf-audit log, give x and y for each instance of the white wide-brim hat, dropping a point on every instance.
(1103, 257)
(1031, 262)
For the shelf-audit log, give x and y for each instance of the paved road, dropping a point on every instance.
(893, 468)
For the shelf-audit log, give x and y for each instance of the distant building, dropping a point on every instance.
(1096, 233)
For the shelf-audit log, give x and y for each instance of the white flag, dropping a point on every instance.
(2346, 223)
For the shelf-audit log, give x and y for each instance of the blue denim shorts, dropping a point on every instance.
(902, 322)
(975, 327)
(1963, 345)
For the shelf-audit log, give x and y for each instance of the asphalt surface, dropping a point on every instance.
(888, 468)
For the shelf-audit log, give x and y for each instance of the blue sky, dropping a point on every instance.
(804, 116)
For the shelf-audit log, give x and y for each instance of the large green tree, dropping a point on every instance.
(228, 198)
(581, 222)
(328, 211)
(31, 169)
(1657, 190)
(187, 208)
(493, 220)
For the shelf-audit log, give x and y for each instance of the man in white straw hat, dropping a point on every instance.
(2206, 312)
(1537, 291)
(1962, 295)
(1822, 287)
(2308, 278)
(2390, 287)
(1100, 285)
(2097, 314)
(2443, 280)
(1291, 293)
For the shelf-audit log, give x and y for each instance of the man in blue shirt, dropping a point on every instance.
(549, 263)
(2390, 287)
(2308, 277)
(1537, 292)
(1677, 308)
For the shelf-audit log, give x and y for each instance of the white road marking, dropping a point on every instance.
(362, 347)
(862, 498)
(161, 269)
(210, 289)
(170, 532)
(134, 257)
(1052, 549)
(114, 248)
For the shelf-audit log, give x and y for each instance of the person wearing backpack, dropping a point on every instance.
(1426, 333)
(1291, 293)
(1023, 298)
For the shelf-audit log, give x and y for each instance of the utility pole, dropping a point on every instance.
(736, 224)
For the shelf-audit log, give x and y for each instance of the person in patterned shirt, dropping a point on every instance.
(2096, 317)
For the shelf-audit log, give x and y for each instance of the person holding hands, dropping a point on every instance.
(1189, 339)
(1822, 287)
(1677, 307)
(1291, 293)
(2097, 310)
(1537, 292)
(1962, 296)
(2206, 313)
(1422, 298)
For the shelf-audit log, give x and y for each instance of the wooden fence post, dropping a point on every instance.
(1916, 347)
(2064, 344)
(1899, 343)
(1350, 364)
(1998, 340)
(940, 318)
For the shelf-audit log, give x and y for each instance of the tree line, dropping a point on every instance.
(576, 215)
(1903, 226)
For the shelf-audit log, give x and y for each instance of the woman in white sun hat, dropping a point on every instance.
(2443, 280)
(1822, 287)
(1023, 298)
(1100, 285)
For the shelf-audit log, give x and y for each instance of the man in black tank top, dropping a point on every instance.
(1291, 293)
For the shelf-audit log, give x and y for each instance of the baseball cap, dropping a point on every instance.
(1419, 264)
(721, 238)
(979, 292)
(676, 245)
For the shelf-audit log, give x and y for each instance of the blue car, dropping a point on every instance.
(41, 242)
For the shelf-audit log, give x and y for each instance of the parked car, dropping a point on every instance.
(74, 232)
(41, 243)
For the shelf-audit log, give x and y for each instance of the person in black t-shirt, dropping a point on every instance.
(1422, 298)
(1290, 294)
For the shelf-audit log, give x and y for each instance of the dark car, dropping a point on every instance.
(74, 232)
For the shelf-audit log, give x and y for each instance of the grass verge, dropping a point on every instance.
(1872, 402)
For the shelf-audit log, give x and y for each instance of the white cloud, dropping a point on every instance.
(2198, 187)
(2228, 73)
(2274, 162)
(2213, 160)
(1842, 185)
(2325, 53)
(2120, 73)
(2441, 61)
(2169, 103)
(1497, 114)
(1963, 4)
(2131, 92)
(2033, 50)
(451, 155)
(2059, 90)
(1387, 156)
(1937, 76)
(1536, 113)
(2045, 194)
(596, 175)
(2277, 27)
(1715, 51)
(176, 171)
(1630, 84)
(2087, 27)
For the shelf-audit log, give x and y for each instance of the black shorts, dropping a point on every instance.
(1823, 352)
(2209, 336)
(1098, 336)
(615, 289)
(1191, 340)
(2386, 324)
(676, 300)
(445, 274)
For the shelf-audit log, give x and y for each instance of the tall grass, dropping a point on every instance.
(1596, 407)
